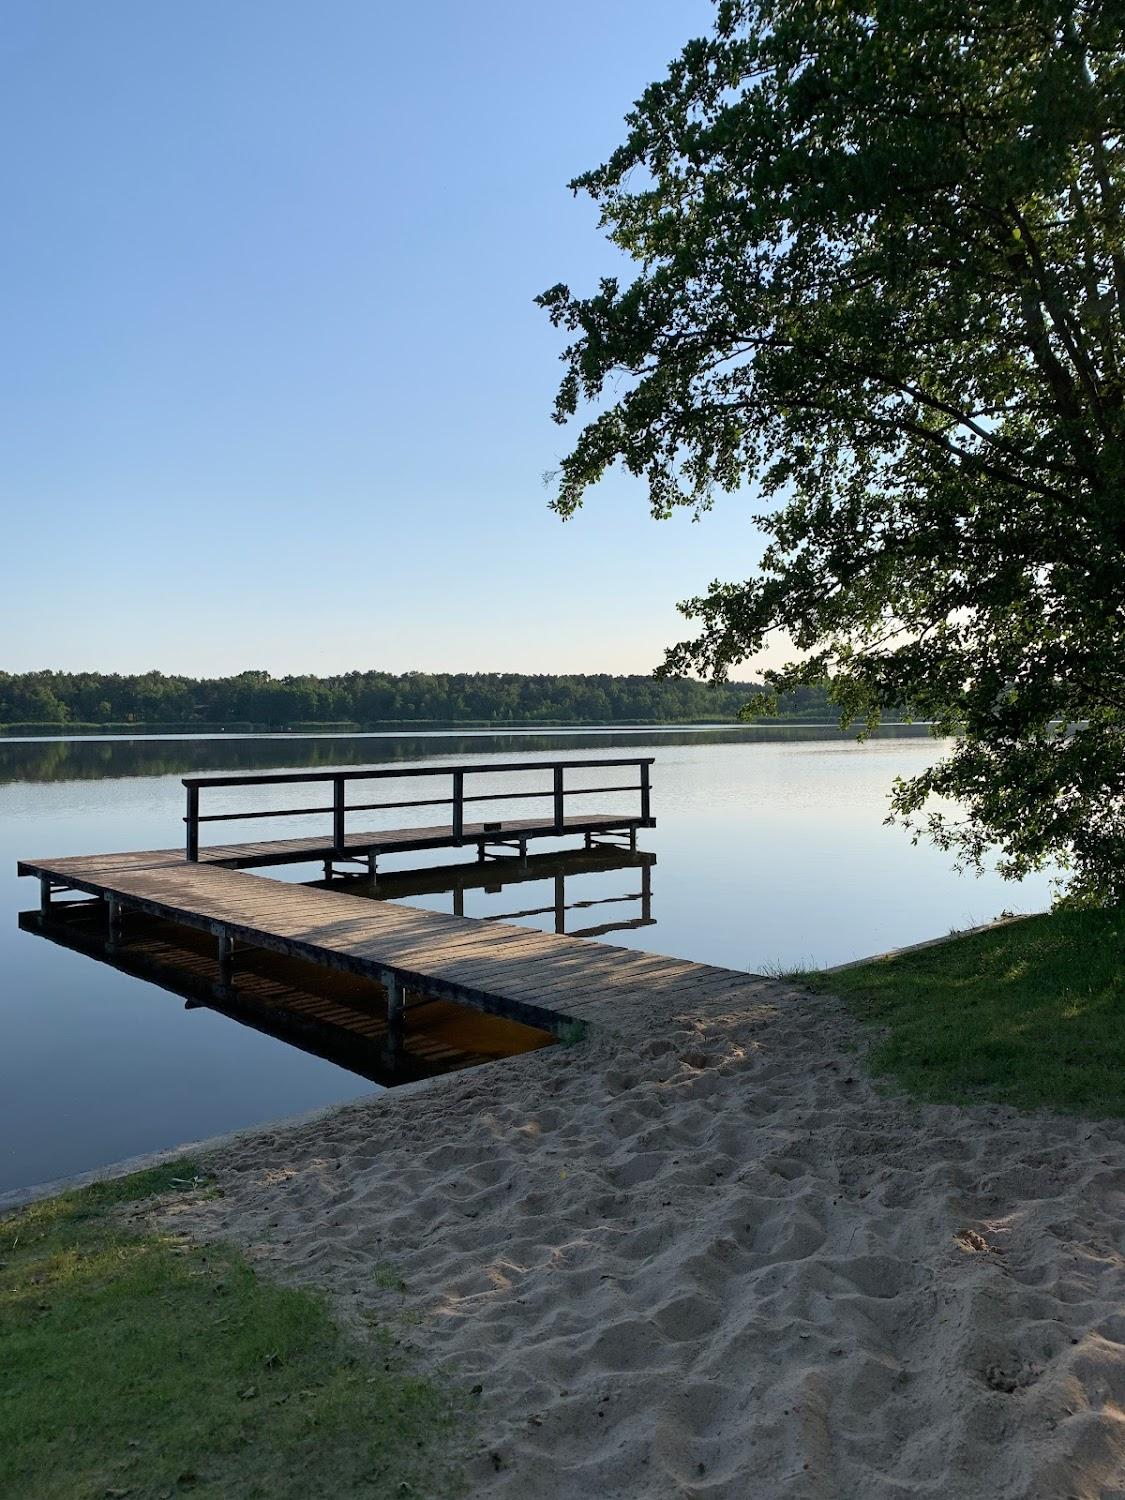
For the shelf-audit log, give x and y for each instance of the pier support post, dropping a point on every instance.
(226, 960)
(373, 864)
(44, 895)
(396, 1012)
(633, 839)
(328, 869)
(113, 918)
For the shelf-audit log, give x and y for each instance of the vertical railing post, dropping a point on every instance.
(560, 812)
(191, 850)
(338, 830)
(458, 806)
(645, 789)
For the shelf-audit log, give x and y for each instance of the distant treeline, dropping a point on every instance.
(53, 700)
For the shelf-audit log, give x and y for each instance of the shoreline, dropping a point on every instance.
(428, 729)
(703, 1254)
(13, 1198)
(17, 1197)
(712, 1257)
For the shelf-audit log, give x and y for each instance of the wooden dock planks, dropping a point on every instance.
(541, 979)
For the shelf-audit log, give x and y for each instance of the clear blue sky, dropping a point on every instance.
(274, 390)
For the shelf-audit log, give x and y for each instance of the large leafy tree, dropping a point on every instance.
(881, 283)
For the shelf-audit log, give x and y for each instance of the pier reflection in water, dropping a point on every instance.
(621, 911)
(341, 1017)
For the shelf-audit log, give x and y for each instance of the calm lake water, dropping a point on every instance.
(770, 849)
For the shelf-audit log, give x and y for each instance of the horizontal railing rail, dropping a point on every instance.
(339, 808)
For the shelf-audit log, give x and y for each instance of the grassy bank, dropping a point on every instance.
(135, 1365)
(1030, 1014)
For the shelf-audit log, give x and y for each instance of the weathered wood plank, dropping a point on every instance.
(543, 979)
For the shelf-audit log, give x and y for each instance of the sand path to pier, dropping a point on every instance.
(705, 1257)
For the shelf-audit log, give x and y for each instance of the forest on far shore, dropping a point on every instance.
(76, 700)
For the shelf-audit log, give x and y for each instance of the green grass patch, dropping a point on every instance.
(571, 1033)
(1030, 1014)
(133, 1364)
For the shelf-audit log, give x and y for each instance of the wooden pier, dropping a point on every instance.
(550, 981)
(341, 844)
(537, 978)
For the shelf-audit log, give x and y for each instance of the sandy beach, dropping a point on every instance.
(705, 1257)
